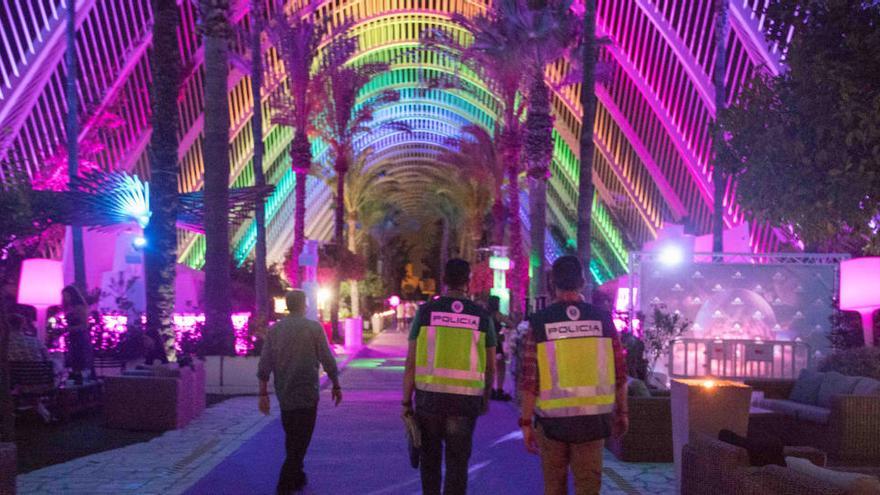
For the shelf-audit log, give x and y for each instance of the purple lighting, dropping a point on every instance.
(187, 326)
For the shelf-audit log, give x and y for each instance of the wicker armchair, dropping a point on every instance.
(711, 467)
(852, 433)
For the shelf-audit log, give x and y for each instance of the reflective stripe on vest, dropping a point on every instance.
(449, 360)
(576, 377)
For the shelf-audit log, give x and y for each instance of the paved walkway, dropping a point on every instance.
(358, 448)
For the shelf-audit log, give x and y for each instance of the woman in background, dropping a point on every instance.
(79, 336)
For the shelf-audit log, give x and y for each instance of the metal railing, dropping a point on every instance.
(738, 359)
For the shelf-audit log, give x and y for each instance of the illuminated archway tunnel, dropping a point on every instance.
(655, 106)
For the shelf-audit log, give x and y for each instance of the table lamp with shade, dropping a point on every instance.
(40, 286)
(859, 283)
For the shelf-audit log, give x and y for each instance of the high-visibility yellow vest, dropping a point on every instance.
(575, 363)
(450, 354)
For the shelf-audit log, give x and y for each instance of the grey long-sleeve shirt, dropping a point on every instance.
(292, 351)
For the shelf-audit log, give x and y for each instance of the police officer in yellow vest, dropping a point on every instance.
(449, 366)
(573, 385)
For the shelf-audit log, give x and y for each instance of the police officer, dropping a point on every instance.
(573, 385)
(449, 367)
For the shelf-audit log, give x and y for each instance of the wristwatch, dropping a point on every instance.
(523, 422)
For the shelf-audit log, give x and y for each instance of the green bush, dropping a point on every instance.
(860, 361)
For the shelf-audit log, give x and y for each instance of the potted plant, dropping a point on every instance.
(658, 336)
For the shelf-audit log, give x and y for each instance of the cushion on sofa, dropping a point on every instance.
(835, 384)
(787, 407)
(806, 388)
(814, 414)
(853, 483)
(867, 386)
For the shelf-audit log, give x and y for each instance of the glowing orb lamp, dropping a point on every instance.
(394, 301)
(40, 286)
(858, 291)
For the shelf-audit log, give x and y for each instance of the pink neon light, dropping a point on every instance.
(185, 324)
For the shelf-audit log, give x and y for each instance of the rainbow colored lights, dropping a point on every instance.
(652, 127)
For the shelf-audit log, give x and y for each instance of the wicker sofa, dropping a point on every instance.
(840, 415)
(154, 399)
(712, 467)
(649, 438)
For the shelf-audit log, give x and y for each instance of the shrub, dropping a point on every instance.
(860, 361)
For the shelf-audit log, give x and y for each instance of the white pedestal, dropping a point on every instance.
(354, 333)
(707, 407)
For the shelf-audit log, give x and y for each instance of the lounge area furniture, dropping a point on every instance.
(712, 467)
(836, 413)
(649, 438)
(32, 380)
(157, 398)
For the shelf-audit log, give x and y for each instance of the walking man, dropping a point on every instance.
(573, 385)
(449, 366)
(293, 348)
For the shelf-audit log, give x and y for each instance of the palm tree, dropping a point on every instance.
(548, 28)
(261, 287)
(160, 254)
(215, 31)
(585, 174)
(475, 155)
(496, 54)
(338, 123)
(362, 184)
(79, 262)
(297, 40)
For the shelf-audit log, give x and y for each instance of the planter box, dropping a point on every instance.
(230, 375)
(8, 468)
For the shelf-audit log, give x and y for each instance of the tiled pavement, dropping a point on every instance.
(357, 449)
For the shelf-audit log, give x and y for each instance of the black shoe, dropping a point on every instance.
(503, 396)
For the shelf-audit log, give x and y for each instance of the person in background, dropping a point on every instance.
(573, 385)
(449, 368)
(293, 349)
(502, 324)
(79, 335)
(28, 349)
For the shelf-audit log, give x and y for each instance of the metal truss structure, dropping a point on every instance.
(652, 127)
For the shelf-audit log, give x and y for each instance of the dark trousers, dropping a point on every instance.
(298, 427)
(456, 434)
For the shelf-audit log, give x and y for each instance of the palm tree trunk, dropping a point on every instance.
(160, 253)
(585, 180)
(338, 232)
(261, 287)
(301, 158)
(215, 24)
(444, 243)
(539, 152)
(353, 284)
(516, 247)
(498, 214)
(79, 261)
(7, 405)
(718, 176)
